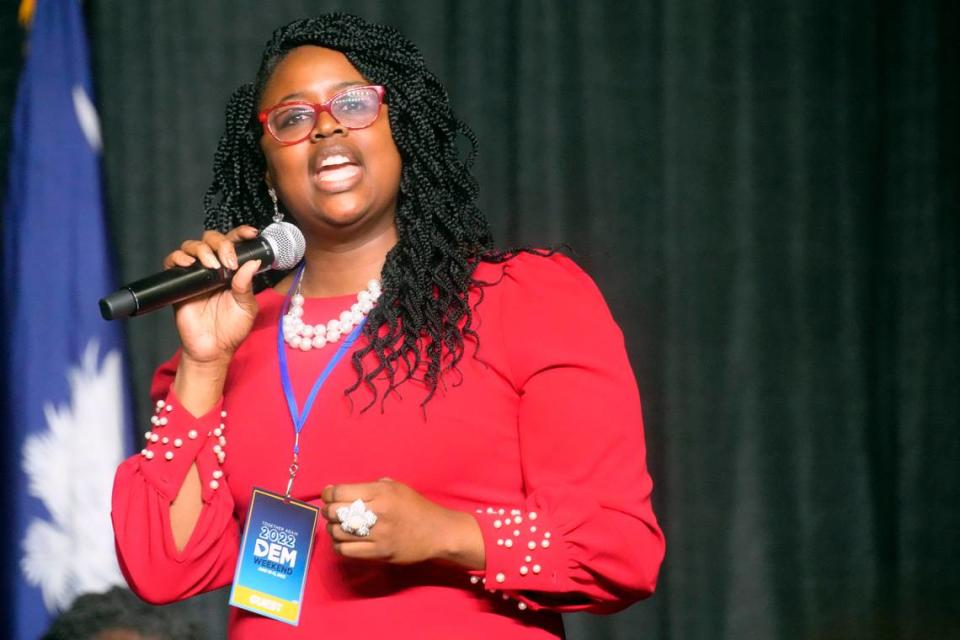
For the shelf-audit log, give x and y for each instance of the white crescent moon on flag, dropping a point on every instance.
(87, 117)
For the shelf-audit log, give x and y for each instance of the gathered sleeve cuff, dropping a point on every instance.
(145, 486)
(568, 553)
(585, 537)
(176, 441)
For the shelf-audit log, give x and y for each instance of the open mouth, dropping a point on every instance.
(337, 168)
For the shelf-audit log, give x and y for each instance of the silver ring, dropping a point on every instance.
(356, 519)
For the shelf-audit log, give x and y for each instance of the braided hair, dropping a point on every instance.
(423, 316)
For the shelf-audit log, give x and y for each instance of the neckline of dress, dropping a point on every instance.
(314, 300)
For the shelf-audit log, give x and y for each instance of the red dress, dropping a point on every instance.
(539, 436)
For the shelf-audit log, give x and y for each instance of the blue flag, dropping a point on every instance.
(66, 406)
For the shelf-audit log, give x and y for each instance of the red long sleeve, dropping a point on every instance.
(585, 537)
(147, 483)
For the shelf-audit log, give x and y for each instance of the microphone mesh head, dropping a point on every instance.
(287, 243)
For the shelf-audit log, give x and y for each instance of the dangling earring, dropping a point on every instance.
(277, 216)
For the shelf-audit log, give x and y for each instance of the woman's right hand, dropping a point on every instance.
(213, 326)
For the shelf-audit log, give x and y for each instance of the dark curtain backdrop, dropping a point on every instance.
(767, 193)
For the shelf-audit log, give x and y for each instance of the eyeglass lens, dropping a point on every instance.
(354, 108)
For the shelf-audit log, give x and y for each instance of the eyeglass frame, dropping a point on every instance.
(320, 107)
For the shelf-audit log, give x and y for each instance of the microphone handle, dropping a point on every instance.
(179, 283)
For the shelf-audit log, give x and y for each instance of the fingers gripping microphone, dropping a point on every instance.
(279, 246)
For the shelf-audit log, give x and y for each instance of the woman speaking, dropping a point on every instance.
(415, 434)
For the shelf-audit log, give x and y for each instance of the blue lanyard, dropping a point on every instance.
(300, 418)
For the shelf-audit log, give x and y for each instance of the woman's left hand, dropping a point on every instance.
(409, 527)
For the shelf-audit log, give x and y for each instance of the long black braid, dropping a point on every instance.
(423, 316)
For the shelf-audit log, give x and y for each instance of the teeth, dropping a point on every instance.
(339, 173)
(334, 160)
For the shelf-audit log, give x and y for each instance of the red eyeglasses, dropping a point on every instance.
(354, 108)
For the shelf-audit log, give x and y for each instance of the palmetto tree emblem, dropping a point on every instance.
(70, 467)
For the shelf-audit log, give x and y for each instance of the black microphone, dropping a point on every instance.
(279, 246)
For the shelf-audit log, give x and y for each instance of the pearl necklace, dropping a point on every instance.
(300, 335)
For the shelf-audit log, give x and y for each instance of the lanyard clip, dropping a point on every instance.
(294, 467)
